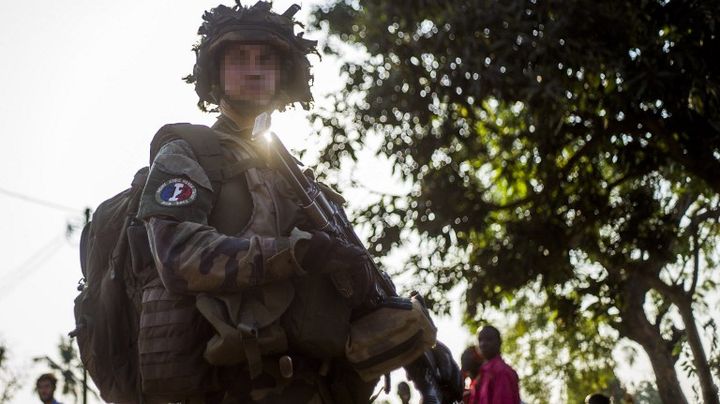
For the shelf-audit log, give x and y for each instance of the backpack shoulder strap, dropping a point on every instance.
(205, 143)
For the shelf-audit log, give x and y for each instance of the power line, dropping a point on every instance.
(38, 201)
(30, 266)
(38, 255)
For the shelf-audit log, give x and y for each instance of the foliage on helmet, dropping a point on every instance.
(257, 24)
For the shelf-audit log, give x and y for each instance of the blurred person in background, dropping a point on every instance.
(496, 382)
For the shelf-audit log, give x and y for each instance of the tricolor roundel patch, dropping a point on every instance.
(176, 192)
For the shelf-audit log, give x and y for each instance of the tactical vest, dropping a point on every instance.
(304, 315)
(317, 321)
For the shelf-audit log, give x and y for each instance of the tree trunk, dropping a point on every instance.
(638, 328)
(702, 368)
(664, 367)
(683, 300)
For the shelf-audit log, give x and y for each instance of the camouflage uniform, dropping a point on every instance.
(244, 240)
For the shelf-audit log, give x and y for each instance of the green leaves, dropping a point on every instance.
(9, 379)
(563, 147)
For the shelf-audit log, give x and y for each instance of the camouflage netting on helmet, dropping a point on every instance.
(256, 24)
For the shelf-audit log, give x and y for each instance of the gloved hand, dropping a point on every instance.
(450, 377)
(436, 376)
(323, 253)
(422, 373)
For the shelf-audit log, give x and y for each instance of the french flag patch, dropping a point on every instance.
(176, 192)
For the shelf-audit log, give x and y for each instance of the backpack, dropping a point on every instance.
(115, 259)
(107, 308)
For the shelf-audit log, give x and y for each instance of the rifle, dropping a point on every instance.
(326, 215)
(329, 217)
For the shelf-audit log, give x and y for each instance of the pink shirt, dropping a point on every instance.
(497, 383)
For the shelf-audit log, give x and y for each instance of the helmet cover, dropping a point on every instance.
(256, 24)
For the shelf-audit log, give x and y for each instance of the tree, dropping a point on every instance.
(572, 144)
(9, 380)
(69, 366)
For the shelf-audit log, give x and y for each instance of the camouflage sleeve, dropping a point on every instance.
(190, 255)
(177, 186)
(193, 257)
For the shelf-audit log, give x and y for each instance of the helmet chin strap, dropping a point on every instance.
(243, 113)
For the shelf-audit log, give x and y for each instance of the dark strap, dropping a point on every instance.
(240, 167)
(140, 178)
(206, 146)
(165, 344)
(176, 316)
(160, 294)
(393, 352)
(203, 141)
(172, 368)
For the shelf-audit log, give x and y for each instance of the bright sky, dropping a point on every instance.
(85, 84)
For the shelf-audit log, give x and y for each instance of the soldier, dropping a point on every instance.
(239, 267)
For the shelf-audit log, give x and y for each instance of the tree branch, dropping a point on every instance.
(662, 311)
(696, 264)
(681, 207)
(700, 218)
(675, 292)
(676, 335)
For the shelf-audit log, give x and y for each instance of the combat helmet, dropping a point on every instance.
(257, 23)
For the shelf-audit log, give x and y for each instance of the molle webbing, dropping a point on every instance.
(171, 345)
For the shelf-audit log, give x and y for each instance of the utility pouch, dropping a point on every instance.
(393, 335)
(246, 326)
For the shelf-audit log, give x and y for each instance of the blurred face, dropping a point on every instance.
(45, 390)
(249, 72)
(488, 343)
(403, 391)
